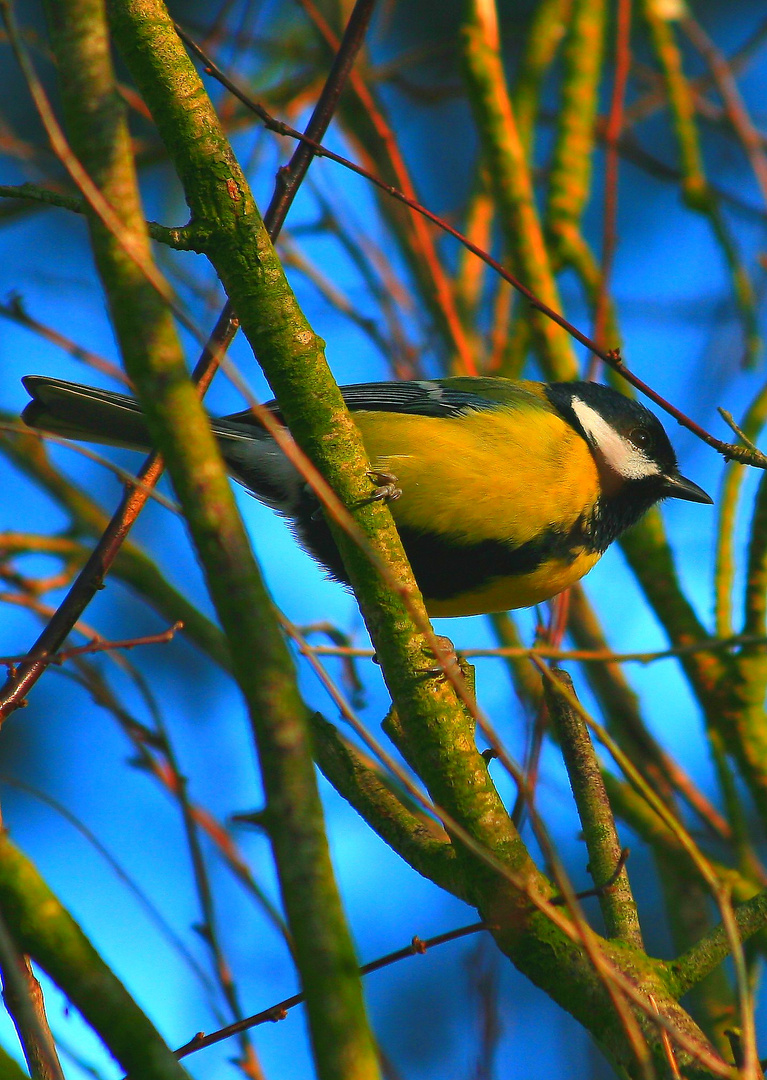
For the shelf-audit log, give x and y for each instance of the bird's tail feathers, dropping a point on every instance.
(85, 413)
(102, 416)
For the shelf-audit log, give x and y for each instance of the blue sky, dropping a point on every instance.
(681, 333)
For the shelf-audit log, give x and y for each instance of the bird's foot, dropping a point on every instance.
(386, 487)
(450, 665)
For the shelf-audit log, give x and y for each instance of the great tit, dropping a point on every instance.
(510, 491)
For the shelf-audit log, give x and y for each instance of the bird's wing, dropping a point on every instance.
(438, 397)
(104, 416)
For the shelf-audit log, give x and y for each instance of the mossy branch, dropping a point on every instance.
(154, 360)
(132, 565)
(292, 358)
(43, 928)
(419, 840)
(570, 172)
(616, 901)
(693, 966)
(507, 165)
(180, 238)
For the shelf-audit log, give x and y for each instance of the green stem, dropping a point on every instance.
(570, 175)
(689, 968)
(743, 732)
(507, 165)
(755, 621)
(616, 901)
(724, 568)
(154, 359)
(41, 927)
(548, 25)
(696, 191)
(180, 239)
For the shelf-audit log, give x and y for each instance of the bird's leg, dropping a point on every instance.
(386, 487)
(392, 725)
(452, 663)
(437, 671)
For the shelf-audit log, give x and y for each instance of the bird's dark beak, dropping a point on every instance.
(677, 486)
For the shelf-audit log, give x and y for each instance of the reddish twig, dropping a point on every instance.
(81, 593)
(99, 644)
(734, 107)
(417, 947)
(585, 656)
(23, 998)
(14, 310)
(422, 241)
(611, 357)
(13, 694)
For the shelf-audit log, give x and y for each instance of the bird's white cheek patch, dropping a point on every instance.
(618, 453)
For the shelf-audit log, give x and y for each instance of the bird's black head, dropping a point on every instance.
(636, 461)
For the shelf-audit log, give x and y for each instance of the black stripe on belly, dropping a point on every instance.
(446, 568)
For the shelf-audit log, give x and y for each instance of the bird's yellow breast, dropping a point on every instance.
(513, 474)
(502, 474)
(515, 591)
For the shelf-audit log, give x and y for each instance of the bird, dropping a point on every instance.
(506, 491)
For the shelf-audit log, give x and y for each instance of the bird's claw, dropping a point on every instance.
(450, 666)
(445, 670)
(386, 487)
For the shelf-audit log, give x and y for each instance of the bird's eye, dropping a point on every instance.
(640, 437)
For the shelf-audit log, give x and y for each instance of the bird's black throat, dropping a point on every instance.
(613, 514)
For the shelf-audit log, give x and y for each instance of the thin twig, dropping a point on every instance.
(15, 311)
(423, 243)
(417, 947)
(583, 656)
(88, 582)
(151, 749)
(98, 204)
(208, 927)
(99, 644)
(610, 357)
(23, 999)
(734, 106)
(128, 478)
(93, 573)
(123, 876)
